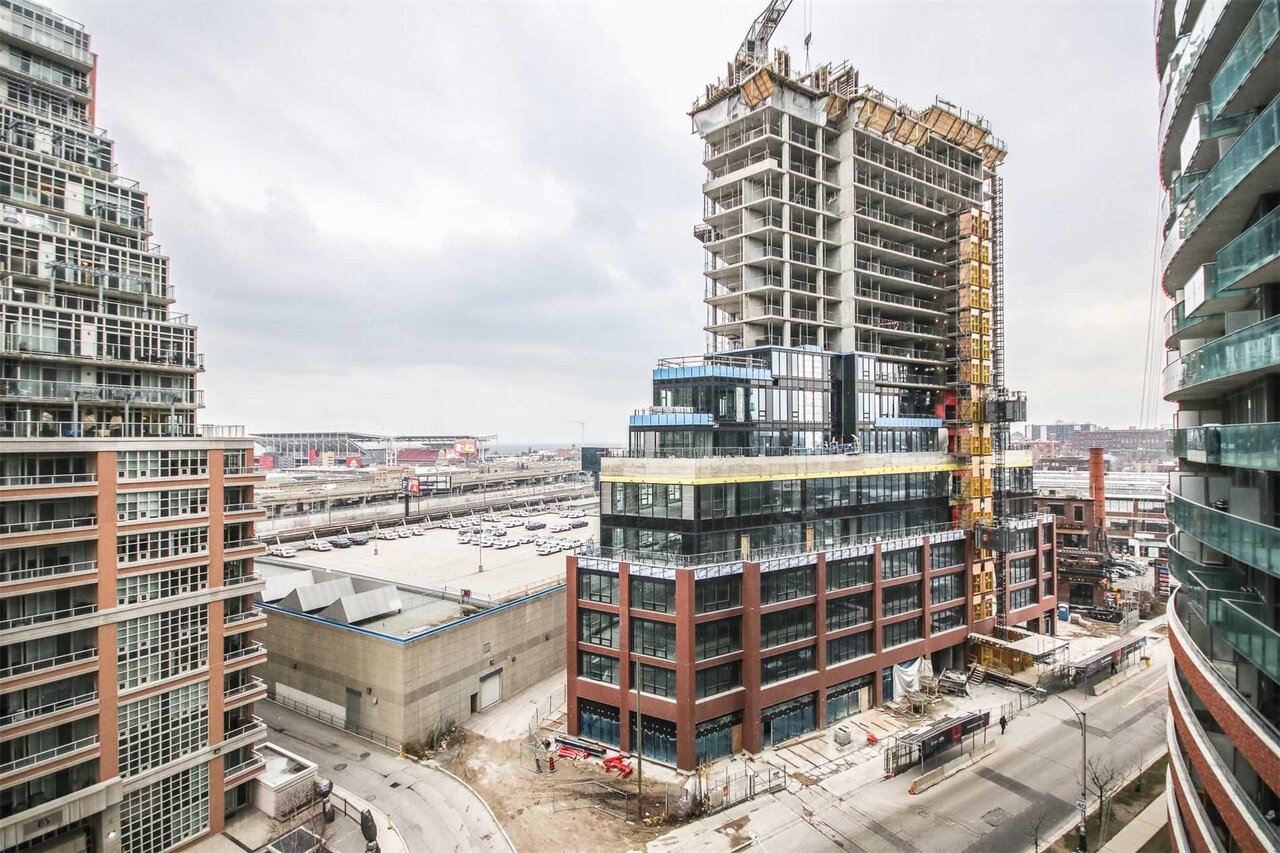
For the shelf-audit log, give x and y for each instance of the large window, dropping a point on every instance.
(785, 626)
(786, 665)
(848, 611)
(648, 500)
(715, 736)
(945, 620)
(598, 722)
(161, 545)
(946, 588)
(162, 645)
(657, 639)
(598, 586)
(899, 564)
(900, 599)
(714, 594)
(853, 571)
(656, 680)
(847, 698)
(598, 667)
(786, 584)
(942, 554)
(1022, 597)
(131, 589)
(901, 632)
(655, 594)
(160, 728)
(718, 679)
(162, 815)
(597, 628)
(720, 637)
(848, 648)
(155, 464)
(171, 503)
(1022, 569)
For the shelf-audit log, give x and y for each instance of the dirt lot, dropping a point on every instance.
(554, 811)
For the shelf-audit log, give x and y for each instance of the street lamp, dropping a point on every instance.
(1084, 771)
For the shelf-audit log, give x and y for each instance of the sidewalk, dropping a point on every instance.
(1140, 830)
(389, 838)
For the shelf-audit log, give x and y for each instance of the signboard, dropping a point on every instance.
(992, 538)
(353, 462)
(465, 447)
(313, 455)
(1162, 580)
(410, 486)
(436, 482)
(940, 740)
(267, 461)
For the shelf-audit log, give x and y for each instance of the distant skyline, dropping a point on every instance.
(477, 217)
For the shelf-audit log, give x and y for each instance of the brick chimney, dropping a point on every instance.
(1098, 486)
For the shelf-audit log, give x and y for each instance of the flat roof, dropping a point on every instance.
(435, 561)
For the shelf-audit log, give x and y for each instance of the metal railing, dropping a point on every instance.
(28, 573)
(832, 449)
(47, 616)
(86, 392)
(37, 757)
(242, 616)
(239, 579)
(232, 544)
(240, 654)
(336, 722)
(904, 222)
(18, 480)
(255, 761)
(45, 710)
(28, 667)
(254, 724)
(250, 686)
(48, 524)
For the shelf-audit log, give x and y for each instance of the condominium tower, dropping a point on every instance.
(790, 537)
(1219, 67)
(126, 530)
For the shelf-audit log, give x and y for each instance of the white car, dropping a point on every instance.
(525, 540)
(417, 531)
(546, 551)
(319, 545)
(281, 551)
(558, 528)
(521, 513)
(386, 535)
(512, 522)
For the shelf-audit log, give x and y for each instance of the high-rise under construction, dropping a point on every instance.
(823, 509)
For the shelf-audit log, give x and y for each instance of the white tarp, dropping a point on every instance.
(906, 677)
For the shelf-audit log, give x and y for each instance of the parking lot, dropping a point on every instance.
(436, 560)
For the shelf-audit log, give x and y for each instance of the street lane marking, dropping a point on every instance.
(1152, 689)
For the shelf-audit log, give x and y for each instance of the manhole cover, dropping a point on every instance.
(395, 784)
(340, 767)
(363, 756)
(924, 813)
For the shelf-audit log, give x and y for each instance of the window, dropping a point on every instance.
(599, 629)
(161, 545)
(598, 586)
(718, 593)
(1079, 512)
(720, 637)
(598, 667)
(154, 585)
(946, 588)
(596, 722)
(715, 737)
(848, 611)
(657, 680)
(785, 626)
(718, 679)
(901, 632)
(655, 594)
(172, 503)
(1022, 569)
(1048, 587)
(1022, 598)
(899, 564)
(847, 698)
(786, 584)
(162, 815)
(162, 645)
(946, 554)
(786, 665)
(945, 620)
(160, 728)
(657, 639)
(848, 648)
(155, 464)
(1024, 540)
(900, 599)
(854, 571)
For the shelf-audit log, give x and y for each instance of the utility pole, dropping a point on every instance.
(1083, 804)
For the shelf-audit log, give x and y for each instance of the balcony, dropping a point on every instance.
(37, 389)
(31, 347)
(239, 579)
(47, 616)
(17, 481)
(253, 725)
(1216, 198)
(1253, 258)
(1247, 57)
(61, 570)
(1178, 326)
(245, 620)
(1255, 446)
(250, 655)
(30, 715)
(1224, 362)
(13, 528)
(242, 545)
(251, 691)
(18, 764)
(48, 39)
(1248, 541)
(53, 428)
(1185, 62)
(250, 506)
(1243, 628)
(233, 776)
(52, 665)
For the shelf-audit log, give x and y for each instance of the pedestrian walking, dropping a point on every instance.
(1004, 724)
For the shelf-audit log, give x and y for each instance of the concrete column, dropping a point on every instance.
(820, 630)
(751, 657)
(926, 567)
(877, 635)
(686, 686)
(108, 690)
(571, 644)
(626, 702)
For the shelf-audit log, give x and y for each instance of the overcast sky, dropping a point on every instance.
(478, 216)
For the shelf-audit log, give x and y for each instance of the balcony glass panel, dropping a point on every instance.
(1176, 321)
(1257, 142)
(1248, 541)
(1254, 446)
(1183, 62)
(1252, 348)
(1243, 625)
(1258, 36)
(1250, 251)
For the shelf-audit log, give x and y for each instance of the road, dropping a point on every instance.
(1032, 778)
(433, 811)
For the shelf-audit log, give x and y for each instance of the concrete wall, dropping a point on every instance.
(421, 683)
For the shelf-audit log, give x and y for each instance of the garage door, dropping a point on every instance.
(490, 689)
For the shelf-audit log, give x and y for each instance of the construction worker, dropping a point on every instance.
(1004, 724)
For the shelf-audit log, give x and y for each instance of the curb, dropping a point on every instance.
(1150, 759)
(378, 815)
(434, 765)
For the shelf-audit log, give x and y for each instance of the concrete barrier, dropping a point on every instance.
(951, 768)
(1115, 681)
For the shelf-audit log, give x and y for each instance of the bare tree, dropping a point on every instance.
(1105, 778)
(1036, 829)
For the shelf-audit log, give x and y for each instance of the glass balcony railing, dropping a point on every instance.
(1243, 625)
(1248, 541)
(1255, 446)
(1259, 140)
(1258, 37)
(1250, 252)
(39, 388)
(1176, 321)
(1184, 60)
(1255, 347)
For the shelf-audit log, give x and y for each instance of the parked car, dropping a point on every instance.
(559, 528)
(340, 542)
(573, 525)
(358, 539)
(281, 551)
(386, 535)
(535, 525)
(319, 545)
(417, 530)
